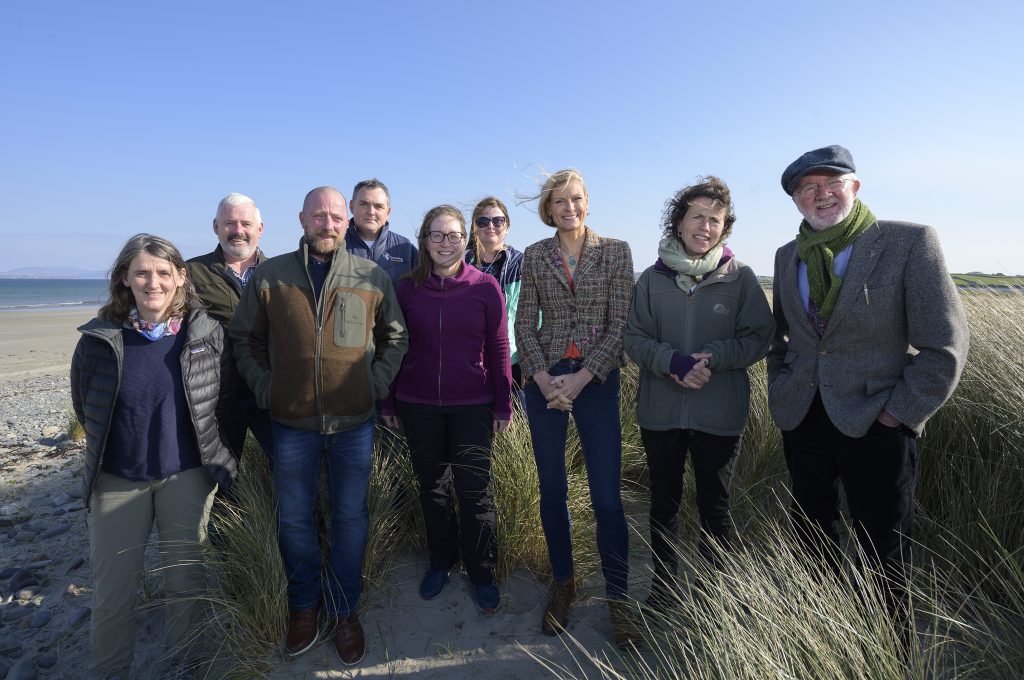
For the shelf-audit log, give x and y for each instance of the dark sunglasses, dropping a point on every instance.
(484, 222)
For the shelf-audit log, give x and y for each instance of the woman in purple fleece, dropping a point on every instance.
(450, 397)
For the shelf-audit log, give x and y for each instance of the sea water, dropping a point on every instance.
(45, 294)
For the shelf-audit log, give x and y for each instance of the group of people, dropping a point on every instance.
(865, 340)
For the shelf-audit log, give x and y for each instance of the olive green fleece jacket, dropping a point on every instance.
(726, 315)
(319, 365)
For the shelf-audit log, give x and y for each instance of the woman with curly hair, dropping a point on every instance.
(698, 319)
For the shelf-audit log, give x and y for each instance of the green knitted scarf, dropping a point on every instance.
(818, 250)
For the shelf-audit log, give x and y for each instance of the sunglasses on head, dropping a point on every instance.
(485, 222)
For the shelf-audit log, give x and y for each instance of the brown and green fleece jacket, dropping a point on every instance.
(319, 365)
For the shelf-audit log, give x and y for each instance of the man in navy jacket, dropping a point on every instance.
(369, 235)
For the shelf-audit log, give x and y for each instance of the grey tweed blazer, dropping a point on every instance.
(549, 316)
(897, 339)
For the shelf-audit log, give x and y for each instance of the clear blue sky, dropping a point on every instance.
(127, 117)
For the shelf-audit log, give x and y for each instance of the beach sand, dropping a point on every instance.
(38, 343)
(407, 637)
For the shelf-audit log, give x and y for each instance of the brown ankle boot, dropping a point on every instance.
(556, 614)
(624, 631)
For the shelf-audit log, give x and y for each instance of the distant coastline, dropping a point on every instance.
(26, 294)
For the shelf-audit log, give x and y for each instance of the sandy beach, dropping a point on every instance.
(43, 530)
(37, 343)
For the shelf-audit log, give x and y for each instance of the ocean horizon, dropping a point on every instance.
(23, 295)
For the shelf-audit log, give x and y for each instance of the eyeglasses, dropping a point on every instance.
(487, 222)
(454, 237)
(833, 186)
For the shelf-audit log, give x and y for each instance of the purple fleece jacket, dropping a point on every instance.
(458, 344)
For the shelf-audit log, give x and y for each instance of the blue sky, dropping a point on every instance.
(128, 117)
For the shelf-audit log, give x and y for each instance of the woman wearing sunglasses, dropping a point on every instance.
(489, 253)
(572, 315)
(451, 395)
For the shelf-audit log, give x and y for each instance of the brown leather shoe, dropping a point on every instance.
(302, 631)
(556, 615)
(624, 630)
(349, 641)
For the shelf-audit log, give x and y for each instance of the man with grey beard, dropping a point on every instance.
(219, 278)
(871, 339)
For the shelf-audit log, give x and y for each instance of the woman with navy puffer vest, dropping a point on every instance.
(148, 377)
(452, 394)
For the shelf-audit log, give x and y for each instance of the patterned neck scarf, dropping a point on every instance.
(689, 270)
(153, 331)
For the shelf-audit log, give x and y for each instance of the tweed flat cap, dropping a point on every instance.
(829, 158)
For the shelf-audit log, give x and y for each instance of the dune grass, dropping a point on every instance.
(769, 613)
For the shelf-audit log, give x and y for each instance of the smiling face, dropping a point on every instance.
(491, 237)
(238, 229)
(154, 282)
(567, 206)
(324, 219)
(822, 206)
(370, 210)
(446, 256)
(701, 228)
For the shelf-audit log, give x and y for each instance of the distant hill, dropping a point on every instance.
(52, 273)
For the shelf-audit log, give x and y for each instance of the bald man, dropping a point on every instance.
(319, 336)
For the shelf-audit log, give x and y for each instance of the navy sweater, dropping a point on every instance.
(151, 435)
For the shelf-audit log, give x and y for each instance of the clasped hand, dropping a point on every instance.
(698, 376)
(561, 390)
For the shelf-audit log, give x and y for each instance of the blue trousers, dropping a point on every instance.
(596, 414)
(297, 460)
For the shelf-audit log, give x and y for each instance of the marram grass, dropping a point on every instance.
(769, 613)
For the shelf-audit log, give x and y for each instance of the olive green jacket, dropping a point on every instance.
(319, 364)
(216, 284)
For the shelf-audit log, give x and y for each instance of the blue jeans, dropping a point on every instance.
(297, 459)
(596, 413)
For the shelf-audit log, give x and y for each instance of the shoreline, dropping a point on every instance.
(36, 343)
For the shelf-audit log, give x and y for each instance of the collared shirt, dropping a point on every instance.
(244, 277)
(839, 264)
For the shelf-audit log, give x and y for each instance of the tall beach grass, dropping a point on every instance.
(768, 613)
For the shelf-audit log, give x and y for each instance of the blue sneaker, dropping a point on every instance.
(433, 583)
(488, 598)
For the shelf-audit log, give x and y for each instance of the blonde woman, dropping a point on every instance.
(569, 328)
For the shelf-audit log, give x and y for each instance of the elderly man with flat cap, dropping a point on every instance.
(871, 339)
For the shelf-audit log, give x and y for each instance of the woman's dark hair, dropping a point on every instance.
(706, 187)
(484, 204)
(122, 299)
(422, 270)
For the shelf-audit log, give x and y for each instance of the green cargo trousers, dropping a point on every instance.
(121, 517)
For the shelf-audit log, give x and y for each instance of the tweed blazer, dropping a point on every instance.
(896, 341)
(550, 316)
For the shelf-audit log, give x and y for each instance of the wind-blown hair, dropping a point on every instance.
(121, 299)
(484, 204)
(421, 272)
(558, 180)
(706, 187)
